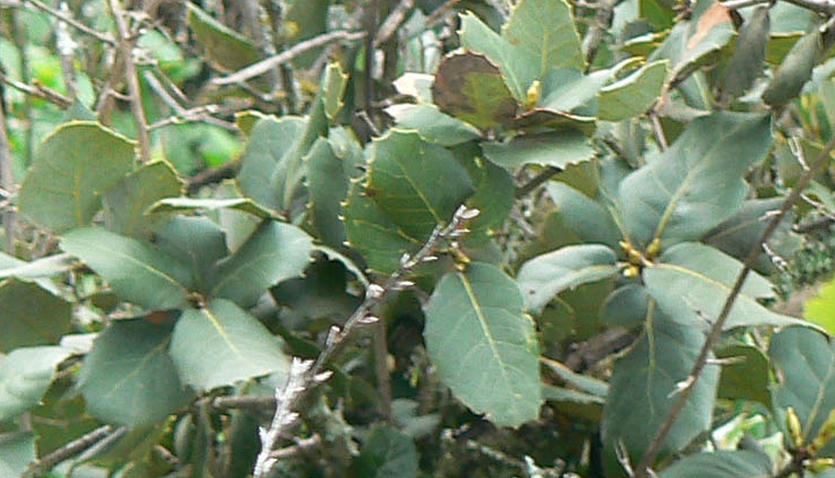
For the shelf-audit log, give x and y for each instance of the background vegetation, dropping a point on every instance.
(417, 238)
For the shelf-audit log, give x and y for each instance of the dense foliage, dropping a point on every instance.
(416, 238)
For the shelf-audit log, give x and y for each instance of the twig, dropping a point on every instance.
(8, 184)
(268, 64)
(227, 170)
(393, 22)
(163, 94)
(302, 445)
(543, 176)
(306, 374)
(643, 468)
(440, 12)
(126, 51)
(370, 17)
(71, 449)
(38, 91)
(381, 369)
(658, 130)
(737, 4)
(225, 402)
(66, 46)
(602, 24)
(820, 6)
(198, 114)
(72, 22)
(820, 223)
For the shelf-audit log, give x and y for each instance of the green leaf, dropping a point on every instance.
(204, 205)
(25, 375)
(373, 233)
(241, 347)
(746, 64)
(804, 363)
(321, 293)
(737, 235)
(542, 278)
(327, 183)
(333, 87)
(17, 451)
(705, 39)
(559, 149)
(692, 281)
(470, 87)
(237, 225)
(305, 19)
(274, 252)
(494, 197)
(544, 29)
(126, 203)
(129, 378)
(63, 188)
(198, 241)
(483, 344)
(582, 218)
(31, 315)
(432, 125)
(269, 141)
(633, 95)
(388, 453)
(519, 69)
(819, 308)
(642, 391)
(746, 376)
(626, 306)
(721, 464)
(44, 267)
(419, 185)
(585, 383)
(565, 89)
(220, 43)
(695, 184)
(796, 68)
(288, 177)
(138, 271)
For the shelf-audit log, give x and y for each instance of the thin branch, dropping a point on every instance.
(381, 369)
(225, 402)
(72, 22)
(8, 184)
(658, 130)
(263, 66)
(199, 114)
(302, 445)
(736, 4)
(306, 374)
(393, 22)
(40, 467)
(820, 6)
(66, 47)
(227, 170)
(370, 19)
(38, 91)
(541, 178)
(602, 24)
(643, 468)
(126, 41)
(156, 85)
(440, 12)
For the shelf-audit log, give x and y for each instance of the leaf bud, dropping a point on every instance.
(819, 465)
(794, 427)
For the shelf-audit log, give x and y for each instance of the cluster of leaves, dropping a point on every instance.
(625, 161)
